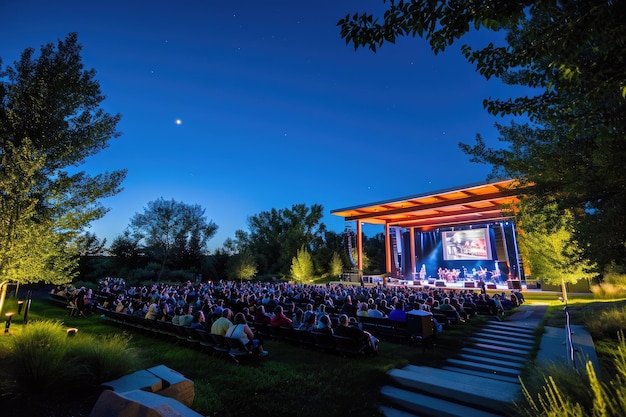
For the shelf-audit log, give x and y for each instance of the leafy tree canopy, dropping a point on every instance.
(50, 122)
(275, 236)
(172, 229)
(572, 56)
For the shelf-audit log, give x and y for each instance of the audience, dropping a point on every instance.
(300, 306)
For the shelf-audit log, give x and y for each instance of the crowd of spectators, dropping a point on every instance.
(212, 305)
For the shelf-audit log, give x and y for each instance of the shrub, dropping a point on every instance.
(607, 323)
(608, 291)
(45, 360)
(38, 357)
(567, 393)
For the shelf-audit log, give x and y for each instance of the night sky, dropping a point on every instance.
(245, 106)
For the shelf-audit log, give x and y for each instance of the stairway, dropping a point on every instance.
(481, 382)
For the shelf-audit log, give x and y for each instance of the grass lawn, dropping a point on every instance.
(292, 381)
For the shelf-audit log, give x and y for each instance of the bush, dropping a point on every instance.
(608, 291)
(607, 323)
(45, 360)
(568, 393)
(38, 357)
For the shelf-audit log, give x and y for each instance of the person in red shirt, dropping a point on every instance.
(279, 318)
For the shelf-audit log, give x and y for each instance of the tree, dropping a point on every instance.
(171, 226)
(127, 251)
(50, 122)
(335, 267)
(570, 55)
(242, 266)
(275, 236)
(302, 266)
(549, 249)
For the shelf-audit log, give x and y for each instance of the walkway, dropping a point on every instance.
(483, 380)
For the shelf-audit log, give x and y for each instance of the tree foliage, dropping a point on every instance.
(302, 268)
(571, 56)
(335, 268)
(275, 236)
(173, 231)
(242, 266)
(549, 249)
(50, 122)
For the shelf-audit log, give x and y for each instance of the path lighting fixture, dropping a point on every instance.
(8, 323)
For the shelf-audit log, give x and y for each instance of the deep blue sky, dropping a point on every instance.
(275, 108)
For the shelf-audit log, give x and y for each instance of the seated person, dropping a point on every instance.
(178, 313)
(362, 337)
(310, 323)
(298, 317)
(279, 319)
(199, 321)
(398, 313)
(187, 317)
(375, 312)
(450, 311)
(348, 308)
(241, 330)
(363, 310)
(324, 324)
(221, 325)
(261, 316)
(246, 312)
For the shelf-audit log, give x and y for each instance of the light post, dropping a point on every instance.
(8, 323)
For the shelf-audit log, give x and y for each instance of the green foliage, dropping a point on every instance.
(242, 266)
(336, 265)
(302, 266)
(274, 237)
(50, 121)
(45, 361)
(174, 231)
(568, 393)
(564, 55)
(607, 323)
(607, 291)
(104, 358)
(38, 356)
(546, 245)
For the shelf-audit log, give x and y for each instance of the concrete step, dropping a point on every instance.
(428, 406)
(505, 338)
(483, 367)
(392, 412)
(494, 355)
(522, 353)
(491, 376)
(452, 386)
(490, 361)
(501, 343)
(521, 327)
(508, 333)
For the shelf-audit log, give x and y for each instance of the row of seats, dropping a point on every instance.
(233, 347)
(310, 338)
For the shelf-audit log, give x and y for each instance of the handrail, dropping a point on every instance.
(569, 343)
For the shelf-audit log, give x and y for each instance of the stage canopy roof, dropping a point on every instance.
(471, 204)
